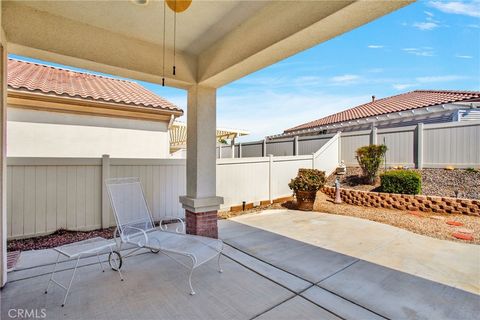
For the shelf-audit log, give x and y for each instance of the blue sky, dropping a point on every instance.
(426, 45)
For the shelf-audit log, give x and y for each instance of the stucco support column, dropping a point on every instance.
(3, 161)
(201, 202)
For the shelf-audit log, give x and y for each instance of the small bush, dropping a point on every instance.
(308, 180)
(370, 158)
(401, 181)
(471, 170)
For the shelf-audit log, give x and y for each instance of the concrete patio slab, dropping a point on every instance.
(287, 280)
(34, 258)
(398, 295)
(338, 305)
(297, 308)
(267, 276)
(305, 261)
(361, 287)
(452, 263)
(154, 288)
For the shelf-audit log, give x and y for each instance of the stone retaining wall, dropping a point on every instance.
(406, 202)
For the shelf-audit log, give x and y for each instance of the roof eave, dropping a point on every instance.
(64, 104)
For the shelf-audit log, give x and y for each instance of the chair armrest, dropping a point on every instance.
(142, 231)
(177, 230)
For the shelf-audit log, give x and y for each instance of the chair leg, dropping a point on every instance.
(190, 282)
(53, 272)
(71, 280)
(100, 262)
(192, 292)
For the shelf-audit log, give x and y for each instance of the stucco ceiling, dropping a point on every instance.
(217, 41)
(204, 23)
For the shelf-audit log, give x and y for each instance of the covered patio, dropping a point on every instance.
(217, 43)
(267, 275)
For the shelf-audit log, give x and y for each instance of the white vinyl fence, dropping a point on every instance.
(294, 146)
(423, 146)
(47, 194)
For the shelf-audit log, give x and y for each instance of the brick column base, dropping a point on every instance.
(202, 223)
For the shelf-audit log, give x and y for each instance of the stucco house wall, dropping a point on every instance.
(34, 133)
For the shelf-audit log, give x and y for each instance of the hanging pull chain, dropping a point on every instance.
(163, 44)
(174, 35)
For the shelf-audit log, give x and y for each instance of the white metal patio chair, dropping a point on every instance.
(136, 227)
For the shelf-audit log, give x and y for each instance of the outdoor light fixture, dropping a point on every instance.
(177, 6)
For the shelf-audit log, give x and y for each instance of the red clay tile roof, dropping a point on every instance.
(28, 76)
(402, 102)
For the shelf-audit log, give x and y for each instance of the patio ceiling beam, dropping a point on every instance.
(281, 30)
(61, 40)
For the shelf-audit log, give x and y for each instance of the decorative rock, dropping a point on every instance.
(415, 213)
(462, 236)
(454, 223)
(465, 230)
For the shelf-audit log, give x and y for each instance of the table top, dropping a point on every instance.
(92, 245)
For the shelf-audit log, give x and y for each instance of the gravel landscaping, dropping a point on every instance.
(435, 182)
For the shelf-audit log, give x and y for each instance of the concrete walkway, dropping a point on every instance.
(451, 263)
(346, 285)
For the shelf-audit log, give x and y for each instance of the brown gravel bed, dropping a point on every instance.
(435, 182)
(425, 224)
(58, 238)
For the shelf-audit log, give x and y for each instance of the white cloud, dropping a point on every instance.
(471, 9)
(422, 52)
(376, 70)
(472, 25)
(403, 86)
(345, 78)
(433, 79)
(307, 81)
(424, 26)
(463, 56)
(375, 46)
(428, 13)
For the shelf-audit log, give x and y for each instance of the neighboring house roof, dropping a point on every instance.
(402, 102)
(36, 78)
(178, 134)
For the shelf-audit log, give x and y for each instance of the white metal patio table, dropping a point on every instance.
(82, 249)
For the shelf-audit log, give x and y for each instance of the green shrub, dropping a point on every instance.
(401, 181)
(370, 158)
(308, 180)
(471, 170)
